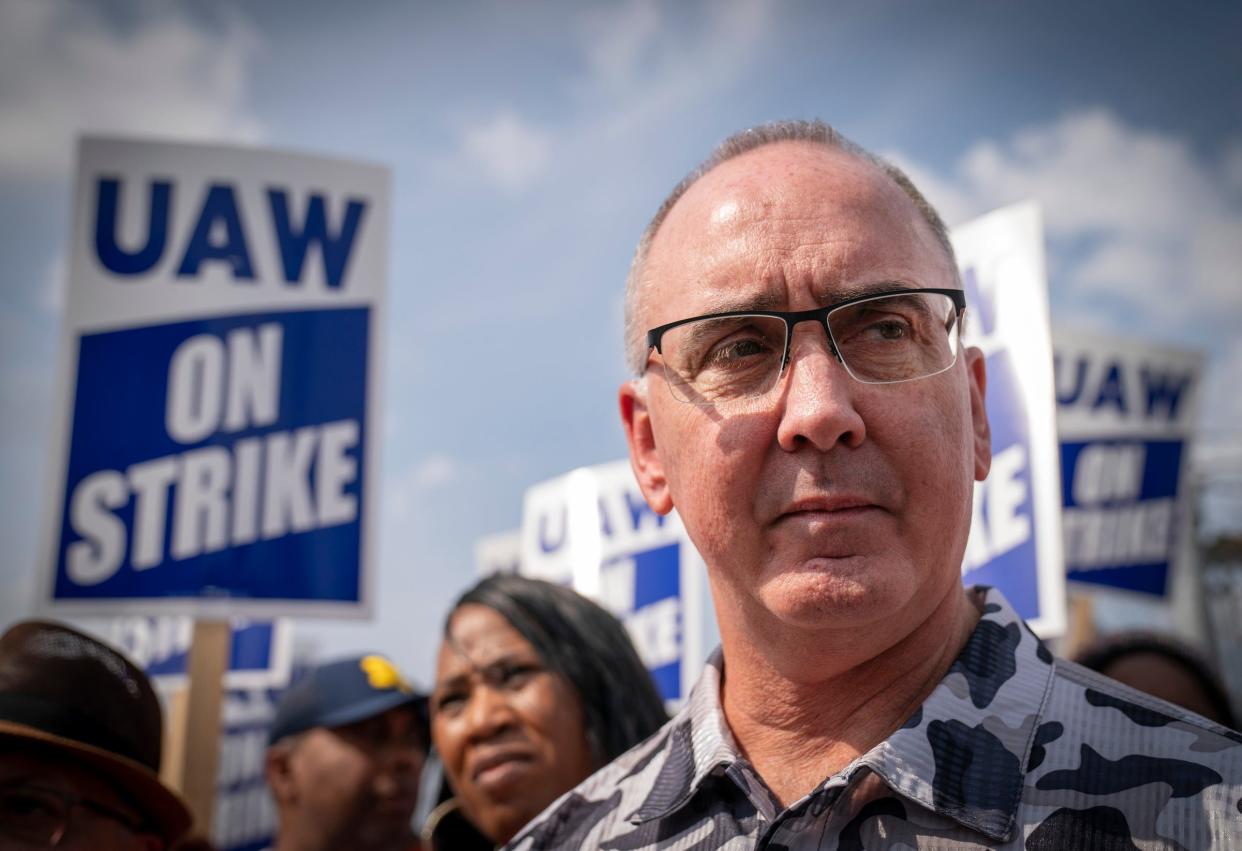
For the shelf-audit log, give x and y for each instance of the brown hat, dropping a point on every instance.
(66, 690)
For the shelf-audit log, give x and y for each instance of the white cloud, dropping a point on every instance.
(436, 471)
(405, 492)
(513, 152)
(618, 39)
(638, 70)
(1222, 409)
(1135, 219)
(1140, 219)
(65, 71)
(1217, 458)
(1233, 166)
(52, 296)
(641, 69)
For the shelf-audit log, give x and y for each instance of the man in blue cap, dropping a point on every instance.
(346, 749)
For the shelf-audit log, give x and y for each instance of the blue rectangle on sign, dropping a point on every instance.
(1004, 549)
(657, 574)
(220, 457)
(656, 623)
(1121, 511)
(250, 650)
(1157, 469)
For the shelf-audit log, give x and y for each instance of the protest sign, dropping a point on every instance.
(1015, 536)
(1126, 413)
(259, 651)
(592, 529)
(217, 441)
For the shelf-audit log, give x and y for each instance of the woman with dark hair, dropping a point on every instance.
(536, 688)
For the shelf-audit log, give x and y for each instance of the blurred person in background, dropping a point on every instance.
(1163, 667)
(536, 688)
(346, 749)
(80, 740)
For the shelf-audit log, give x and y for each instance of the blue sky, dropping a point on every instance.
(530, 142)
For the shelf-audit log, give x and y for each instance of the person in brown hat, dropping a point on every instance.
(80, 739)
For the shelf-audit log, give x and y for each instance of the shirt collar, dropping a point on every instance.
(699, 745)
(962, 754)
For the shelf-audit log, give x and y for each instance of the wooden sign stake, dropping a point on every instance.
(209, 658)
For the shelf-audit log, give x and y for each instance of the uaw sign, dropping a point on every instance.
(218, 436)
(1126, 413)
(592, 529)
(244, 818)
(260, 652)
(1015, 536)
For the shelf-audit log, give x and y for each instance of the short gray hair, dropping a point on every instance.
(816, 132)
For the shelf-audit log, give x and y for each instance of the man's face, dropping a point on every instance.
(357, 781)
(40, 791)
(830, 503)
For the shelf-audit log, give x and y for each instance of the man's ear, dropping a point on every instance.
(279, 773)
(644, 454)
(976, 370)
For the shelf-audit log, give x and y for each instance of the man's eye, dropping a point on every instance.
(30, 815)
(733, 351)
(891, 330)
(27, 805)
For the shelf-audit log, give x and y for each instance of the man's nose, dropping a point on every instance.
(817, 396)
(399, 764)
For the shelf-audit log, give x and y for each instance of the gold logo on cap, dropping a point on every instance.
(383, 674)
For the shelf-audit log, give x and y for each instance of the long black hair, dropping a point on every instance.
(587, 646)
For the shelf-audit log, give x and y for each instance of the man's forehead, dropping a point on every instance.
(755, 184)
(396, 717)
(829, 212)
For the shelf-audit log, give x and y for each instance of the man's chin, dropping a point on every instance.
(823, 593)
(385, 828)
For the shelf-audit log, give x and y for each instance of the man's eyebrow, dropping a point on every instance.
(770, 300)
(849, 291)
(775, 299)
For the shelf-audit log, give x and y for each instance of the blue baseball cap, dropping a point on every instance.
(343, 692)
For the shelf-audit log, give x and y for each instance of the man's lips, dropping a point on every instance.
(826, 507)
(401, 804)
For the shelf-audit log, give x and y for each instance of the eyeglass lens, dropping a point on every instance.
(883, 340)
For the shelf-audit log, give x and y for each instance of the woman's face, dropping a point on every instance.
(510, 731)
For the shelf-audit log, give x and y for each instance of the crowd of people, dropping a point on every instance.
(536, 688)
(801, 396)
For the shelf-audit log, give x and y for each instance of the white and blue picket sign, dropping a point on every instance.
(1015, 535)
(1127, 411)
(219, 436)
(592, 529)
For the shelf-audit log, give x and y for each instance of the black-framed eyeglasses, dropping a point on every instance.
(40, 817)
(880, 338)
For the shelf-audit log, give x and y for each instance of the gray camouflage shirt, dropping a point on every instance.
(1013, 749)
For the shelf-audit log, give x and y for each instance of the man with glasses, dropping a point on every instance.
(80, 738)
(347, 746)
(802, 398)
